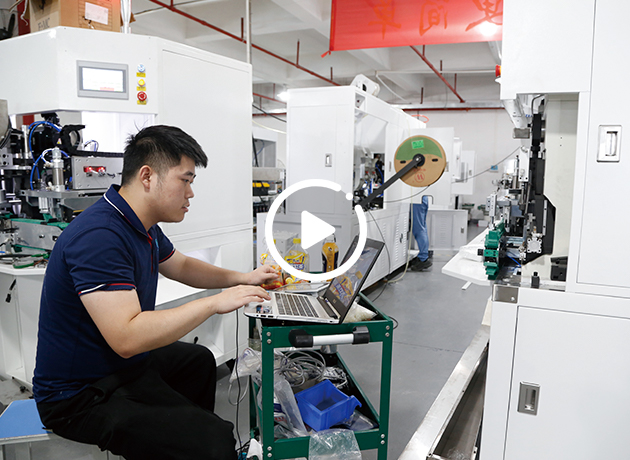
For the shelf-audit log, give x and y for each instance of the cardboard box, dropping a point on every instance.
(90, 14)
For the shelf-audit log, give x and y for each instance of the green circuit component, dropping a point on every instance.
(493, 238)
(491, 251)
(492, 270)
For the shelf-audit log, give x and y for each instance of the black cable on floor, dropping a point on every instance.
(380, 293)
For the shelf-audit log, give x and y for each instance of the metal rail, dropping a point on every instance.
(437, 72)
(172, 8)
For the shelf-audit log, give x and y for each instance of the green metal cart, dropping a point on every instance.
(275, 334)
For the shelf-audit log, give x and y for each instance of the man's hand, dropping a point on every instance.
(261, 275)
(199, 274)
(235, 297)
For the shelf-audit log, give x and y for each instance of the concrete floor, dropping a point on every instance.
(437, 320)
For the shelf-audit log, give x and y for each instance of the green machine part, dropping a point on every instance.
(47, 221)
(491, 251)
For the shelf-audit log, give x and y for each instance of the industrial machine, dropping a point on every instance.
(47, 178)
(556, 378)
(351, 137)
(97, 88)
(522, 217)
(553, 345)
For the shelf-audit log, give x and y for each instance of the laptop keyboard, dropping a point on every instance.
(295, 305)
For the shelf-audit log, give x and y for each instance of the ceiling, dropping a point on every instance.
(279, 25)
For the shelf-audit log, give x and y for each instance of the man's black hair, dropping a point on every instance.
(161, 147)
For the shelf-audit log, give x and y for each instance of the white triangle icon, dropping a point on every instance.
(314, 229)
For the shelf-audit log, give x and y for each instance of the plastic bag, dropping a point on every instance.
(333, 445)
(248, 364)
(298, 258)
(280, 432)
(266, 259)
(255, 450)
(358, 422)
(358, 313)
(282, 390)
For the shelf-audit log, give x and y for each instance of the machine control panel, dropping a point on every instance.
(141, 85)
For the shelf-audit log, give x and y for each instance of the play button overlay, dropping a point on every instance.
(313, 229)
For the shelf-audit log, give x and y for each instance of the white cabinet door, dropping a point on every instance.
(580, 363)
(223, 193)
(601, 258)
(559, 47)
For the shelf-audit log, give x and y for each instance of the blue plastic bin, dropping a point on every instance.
(323, 405)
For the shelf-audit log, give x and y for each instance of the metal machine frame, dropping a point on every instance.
(277, 335)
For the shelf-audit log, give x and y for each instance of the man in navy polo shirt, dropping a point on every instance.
(110, 370)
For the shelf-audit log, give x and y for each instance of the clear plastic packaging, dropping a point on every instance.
(282, 390)
(248, 364)
(358, 313)
(333, 444)
(358, 422)
(266, 259)
(297, 257)
(255, 450)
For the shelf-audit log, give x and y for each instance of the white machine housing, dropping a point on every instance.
(557, 374)
(207, 95)
(329, 132)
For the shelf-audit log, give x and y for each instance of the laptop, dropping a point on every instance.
(330, 307)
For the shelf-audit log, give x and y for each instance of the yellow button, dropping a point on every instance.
(141, 82)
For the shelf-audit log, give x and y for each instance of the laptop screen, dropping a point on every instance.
(344, 288)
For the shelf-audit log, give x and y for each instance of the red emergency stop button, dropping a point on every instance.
(142, 96)
(497, 71)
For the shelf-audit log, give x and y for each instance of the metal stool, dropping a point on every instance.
(20, 425)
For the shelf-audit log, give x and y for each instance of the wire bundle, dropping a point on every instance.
(298, 367)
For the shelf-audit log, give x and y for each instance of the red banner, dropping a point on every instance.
(359, 24)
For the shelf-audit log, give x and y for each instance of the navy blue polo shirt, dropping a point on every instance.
(105, 248)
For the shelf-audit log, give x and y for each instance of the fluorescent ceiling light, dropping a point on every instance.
(488, 29)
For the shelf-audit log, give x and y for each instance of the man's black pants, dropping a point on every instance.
(161, 410)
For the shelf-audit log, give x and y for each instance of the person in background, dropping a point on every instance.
(110, 370)
(420, 233)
